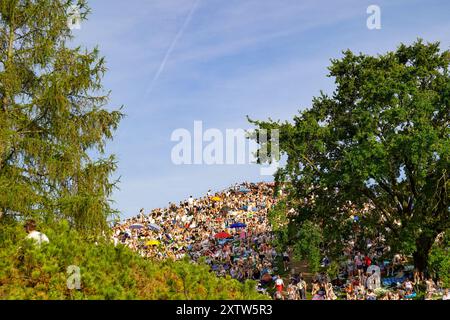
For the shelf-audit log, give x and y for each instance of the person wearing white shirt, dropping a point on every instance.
(446, 295)
(190, 203)
(35, 235)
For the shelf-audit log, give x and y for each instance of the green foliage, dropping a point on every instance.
(381, 138)
(307, 244)
(381, 292)
(53, 118)
(305, 237)
(420, 295)
(440, 259)
(28, 271)
(279, 221)
(333, 269)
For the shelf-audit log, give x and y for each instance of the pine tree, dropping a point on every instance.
(53, 118)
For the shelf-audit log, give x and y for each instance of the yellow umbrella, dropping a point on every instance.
(153, 243)
(216, 199)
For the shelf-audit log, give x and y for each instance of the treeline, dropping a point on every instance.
(28, 271)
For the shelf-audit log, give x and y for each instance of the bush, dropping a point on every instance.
(440, 259)
(307, 245)
(28, 271)
(279, 222)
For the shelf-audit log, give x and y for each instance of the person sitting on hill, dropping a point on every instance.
(292, 292)
(278, 295)
(371, 295)
(446, 295)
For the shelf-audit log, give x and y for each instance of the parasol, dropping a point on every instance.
(238, 225)
(222, 235)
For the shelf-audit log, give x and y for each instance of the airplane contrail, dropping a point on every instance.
(172, 46)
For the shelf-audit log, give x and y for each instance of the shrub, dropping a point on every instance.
(307, 245)
(440, 259)
(28, 271)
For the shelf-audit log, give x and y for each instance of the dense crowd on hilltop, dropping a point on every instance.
(229, 229)
(231, 232)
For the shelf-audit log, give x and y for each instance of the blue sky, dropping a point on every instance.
(172, 62)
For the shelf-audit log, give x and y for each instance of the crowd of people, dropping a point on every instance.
(359, 285)
(229, 229)
(364, 277)
(371, 276)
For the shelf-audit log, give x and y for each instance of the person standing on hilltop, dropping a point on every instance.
(191, 202)
(286, 260)
(279, 284)
(302, 287)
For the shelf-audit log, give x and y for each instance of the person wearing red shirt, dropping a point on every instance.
(367, 262)
(279, 284)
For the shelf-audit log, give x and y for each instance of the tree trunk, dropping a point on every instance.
(423, 247)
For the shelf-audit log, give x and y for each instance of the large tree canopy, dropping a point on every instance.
(52, 117)
(381, 141)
